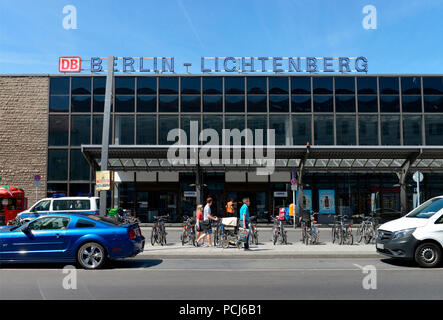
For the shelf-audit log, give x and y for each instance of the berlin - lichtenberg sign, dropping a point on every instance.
(223, 64)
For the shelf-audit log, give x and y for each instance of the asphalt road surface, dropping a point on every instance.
(142, 278)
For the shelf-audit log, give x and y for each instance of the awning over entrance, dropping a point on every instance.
(314, 159)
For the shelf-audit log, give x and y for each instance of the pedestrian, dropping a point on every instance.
(244, 219)
(199, 219)
(206, 223)
(230, 208)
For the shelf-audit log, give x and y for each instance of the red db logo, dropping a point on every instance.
(69, 64)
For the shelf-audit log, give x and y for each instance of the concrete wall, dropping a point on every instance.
(24, 131)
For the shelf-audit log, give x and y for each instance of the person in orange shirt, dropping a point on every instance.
(230, 208)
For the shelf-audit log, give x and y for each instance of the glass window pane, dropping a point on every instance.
(146, 85)
(368, 130)
(59, 85)
(235, 103)
(434, 131)
(146, 103)
(80, 190)
(412, 130)
(99, 84)
(214, 122)
(58, 130)
(146, 129)
(367, 85)
(190, 85)
(79, 166)
(81, 85)
(98, 104)
(256, 122)
(59, 103)
(324, 130)
(124, 130)
(124, 104)
(235, 122)
(212, 85)
(411, 103)
(345, 103)
(281, 126)
(433, 85)
(124, 85)
(212, 104)
(80, 130)
(256, 85)
(56, 188)
(388, 85)
(344, 85)
(97, 129)
(301, 103)
(301, 130)
(278, 103)
(257, 104)
(301, 85)
(390, 130)
(168, 85)
(433, 103)
(165, 124)
(323, 104)
(367, 104)
(346, 130)
(322, 85)
(234, 85)
(186, 126)
(80, 103)
(389, 104)
(278, 85)
(411, 85)
(57, 165)
(168, 104)
(190, 104)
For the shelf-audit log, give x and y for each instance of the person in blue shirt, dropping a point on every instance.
(244, 218)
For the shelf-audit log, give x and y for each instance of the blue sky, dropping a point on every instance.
(408, 38)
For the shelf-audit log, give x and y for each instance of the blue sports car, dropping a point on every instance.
(89, 240)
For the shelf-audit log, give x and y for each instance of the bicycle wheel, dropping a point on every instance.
(256, 237)
(183, 237)
(341, 234)
(334, 234)
(307, 237)
(163, 237)
(368, 234)
(153, 236)
(225, 242)
(360, 232)
(284, 237)
(274, 237)
(349, 237)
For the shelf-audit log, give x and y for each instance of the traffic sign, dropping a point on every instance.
(418, 176)
(37, 177)
(37, 184)
(294, 181)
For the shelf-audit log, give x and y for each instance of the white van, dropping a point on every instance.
(82, 205)
(416, 236)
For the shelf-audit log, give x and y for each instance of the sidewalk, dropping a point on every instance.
(265, 250)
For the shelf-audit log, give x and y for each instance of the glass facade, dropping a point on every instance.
(321, 110)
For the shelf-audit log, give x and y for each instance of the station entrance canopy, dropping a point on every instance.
(359, 159)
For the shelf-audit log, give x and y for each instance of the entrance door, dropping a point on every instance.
(258, 195)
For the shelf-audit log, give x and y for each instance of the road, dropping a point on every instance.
(143, 278)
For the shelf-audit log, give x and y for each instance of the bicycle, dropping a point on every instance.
(310, 232)
(158, 233)
(368, 229)
(278, 232)
(253, 235)
(218, 232)
(342, 231)
(188, 234)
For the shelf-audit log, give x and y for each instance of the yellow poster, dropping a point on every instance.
(103, 180)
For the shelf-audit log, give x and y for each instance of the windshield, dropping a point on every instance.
(427, 209)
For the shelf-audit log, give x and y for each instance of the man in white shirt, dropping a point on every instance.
(206, 223)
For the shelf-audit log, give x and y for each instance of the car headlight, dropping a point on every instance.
(403, 233)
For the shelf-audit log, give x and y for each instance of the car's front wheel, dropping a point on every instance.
(428, 255)
(91, 255)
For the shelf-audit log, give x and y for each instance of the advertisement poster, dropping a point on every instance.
(307, 200)
(103, 180)
(326, 199)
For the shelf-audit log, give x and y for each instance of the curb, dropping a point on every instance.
(253, 256)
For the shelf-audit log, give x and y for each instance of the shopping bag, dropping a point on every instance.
(243, 234)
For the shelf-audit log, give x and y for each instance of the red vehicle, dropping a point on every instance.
(12, 202)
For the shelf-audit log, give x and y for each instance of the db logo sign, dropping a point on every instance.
(69, 64)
